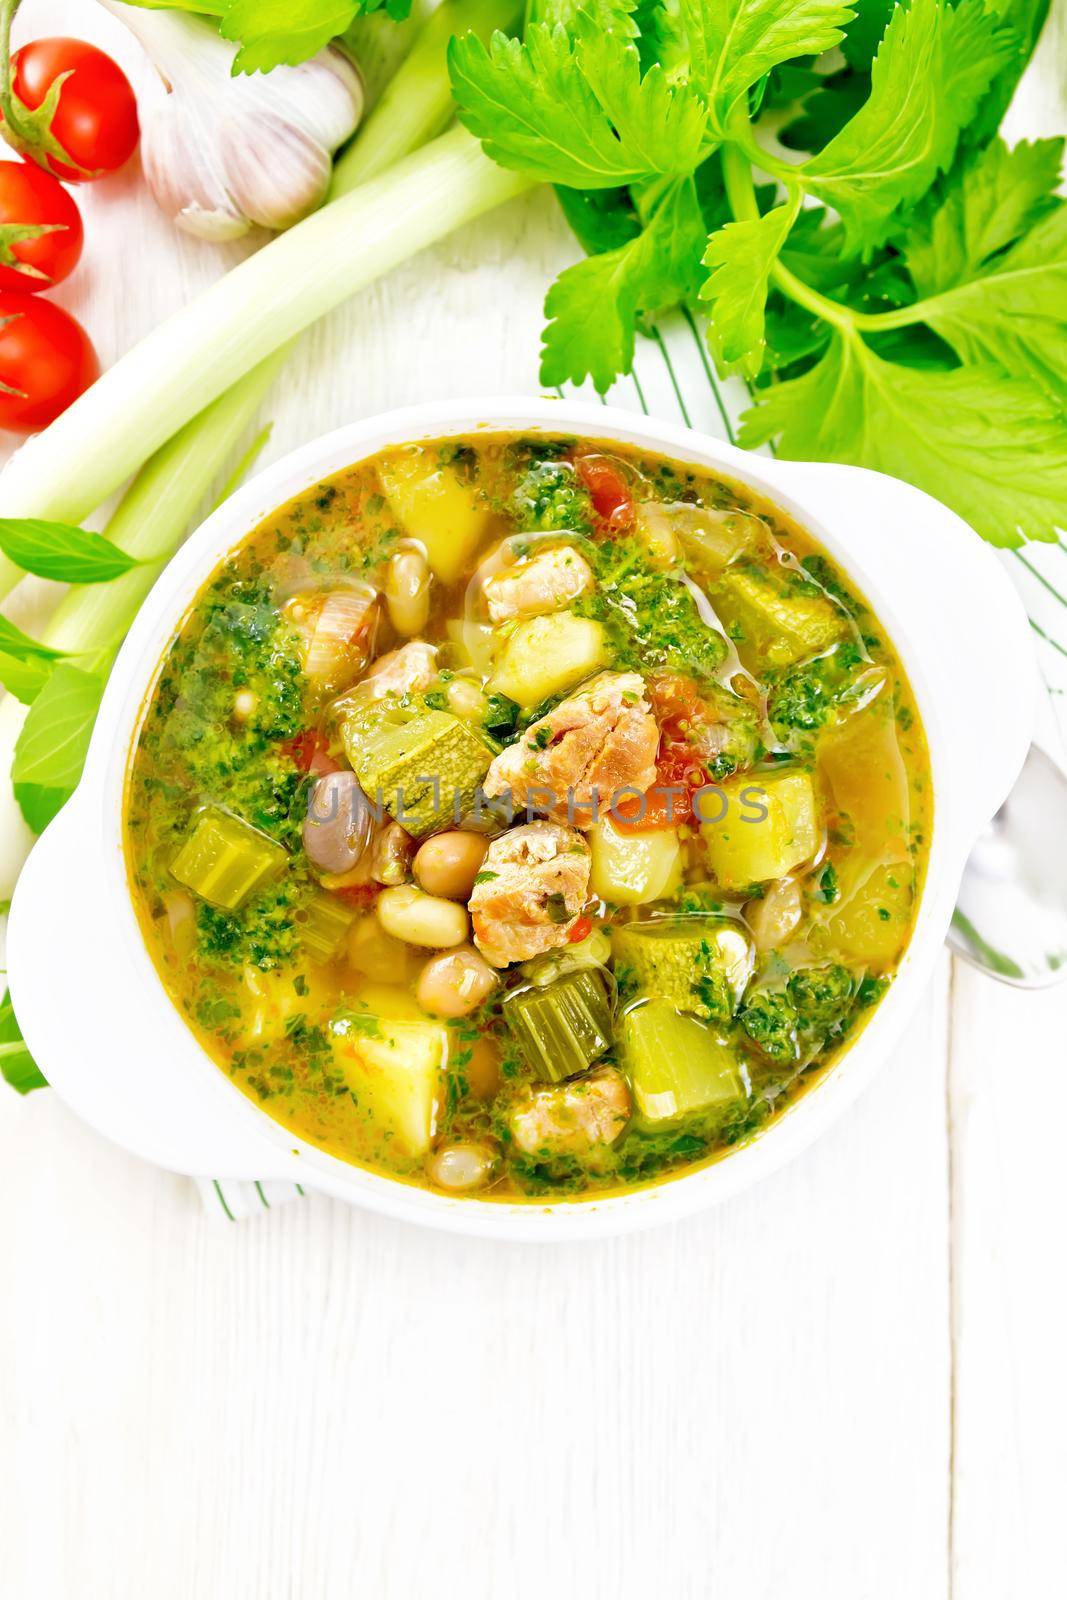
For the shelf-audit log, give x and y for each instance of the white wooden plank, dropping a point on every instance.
(1008, 1102)
(1009, 1190)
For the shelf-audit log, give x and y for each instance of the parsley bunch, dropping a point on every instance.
(894, 295)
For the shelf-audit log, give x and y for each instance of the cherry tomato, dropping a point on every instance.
(680, 773)
(612, 500)
(46, 361)
(665, 805)
(31, 197)
(95, 119)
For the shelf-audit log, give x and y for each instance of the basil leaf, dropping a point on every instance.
(51, 748)
(24, 679)
(59, 551)
(13, 642)
(17, 1066)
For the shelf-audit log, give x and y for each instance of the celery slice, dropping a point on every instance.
(225, 860)
(562, 1028)
(677, 1065)
(324, 925)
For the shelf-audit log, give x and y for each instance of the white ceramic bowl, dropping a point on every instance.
(109, 1040)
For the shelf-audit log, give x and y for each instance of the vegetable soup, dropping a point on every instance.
(526, 817)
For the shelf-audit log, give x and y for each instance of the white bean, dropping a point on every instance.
(455, 984)
(423, 919)
(407, 591)
(466, 700)
(460, 1166)
(448, 863)
(774, 917)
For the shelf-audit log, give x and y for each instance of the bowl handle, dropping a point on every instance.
(121, 1057)
(957, 601)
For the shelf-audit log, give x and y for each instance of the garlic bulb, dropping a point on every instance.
(223, 154)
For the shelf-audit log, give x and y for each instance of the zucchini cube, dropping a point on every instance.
(425, 771)
(779, 627)
(699, 964)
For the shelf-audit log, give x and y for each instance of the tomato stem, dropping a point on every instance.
(30, 132)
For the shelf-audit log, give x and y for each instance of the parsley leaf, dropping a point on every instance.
(593, 306)
(989, 199)
(932, 68)
(741, 256)
(729, 46)
(1013, 313)
(992, 447)
(275, 33)
(575, 110)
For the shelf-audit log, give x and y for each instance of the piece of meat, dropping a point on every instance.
(572, 1117)
(533, 884)
(408, 670)
(602, 739)
(545, 582)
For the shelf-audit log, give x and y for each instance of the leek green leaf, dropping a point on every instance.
(993, 448)
(62, 552)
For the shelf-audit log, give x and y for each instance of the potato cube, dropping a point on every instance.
(629, 869)
(546, 655)
(394, 1071)
(436, 506)
(770, 824)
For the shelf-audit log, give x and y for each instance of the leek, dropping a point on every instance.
(65, 472)
(151, 521)
(158, 510)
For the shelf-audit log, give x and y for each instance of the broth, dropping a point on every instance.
(527, 817)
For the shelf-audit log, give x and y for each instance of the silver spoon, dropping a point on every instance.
(1011, 914)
